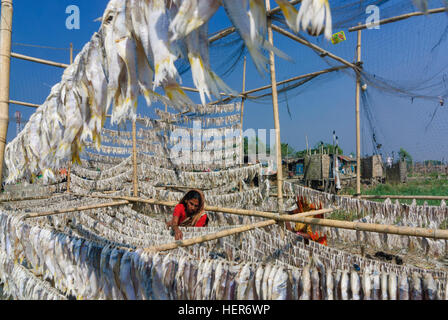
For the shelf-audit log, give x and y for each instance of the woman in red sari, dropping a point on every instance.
(189, 213)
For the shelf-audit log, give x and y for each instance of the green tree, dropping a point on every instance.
(404, 155)
(287, 150)
(259, 145)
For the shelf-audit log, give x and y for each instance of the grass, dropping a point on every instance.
(429, 185)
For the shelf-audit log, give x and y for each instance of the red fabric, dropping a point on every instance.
(179, 211)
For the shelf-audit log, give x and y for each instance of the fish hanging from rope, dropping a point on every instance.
(134, 53)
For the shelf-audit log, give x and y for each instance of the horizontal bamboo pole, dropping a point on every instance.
(225, 32)
(209, 237)
(83, 208)
(419, 197)
(253, 213)
(25, 199)
(371, 227)
(374, 227)
(314, 47)
(221, 34)
(42, 61)
(217, 235)
(26, 104)
(397, 18)
(312, 74)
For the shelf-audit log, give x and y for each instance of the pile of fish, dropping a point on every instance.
(134, 52)
(100, 254)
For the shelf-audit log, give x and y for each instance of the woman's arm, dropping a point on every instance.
(175, 226)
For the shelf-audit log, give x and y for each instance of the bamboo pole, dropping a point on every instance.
(227, 31)
(276, 114)
(221, 34)
(398, 18)
(42, 61)
(25, 199)
(242, 94)
(25, 104)
(304, 218)
(243, 99)
(360, 226)
(134, 158)
(313, 46)
(83, 208)
(5, 69)
(308, 75)
(358, 123)
(209, 237)
(404, 197)
(69, 166)
(252, 213)
(214, 236)
(373, 227)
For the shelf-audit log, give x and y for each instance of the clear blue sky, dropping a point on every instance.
(397, 51)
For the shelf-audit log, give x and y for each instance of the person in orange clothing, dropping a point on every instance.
(189, 213)
(302, 229)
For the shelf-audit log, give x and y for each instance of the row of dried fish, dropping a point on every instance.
(106, 272)
(22, 284)
(157, 125)
(178, 118)
(387, 213)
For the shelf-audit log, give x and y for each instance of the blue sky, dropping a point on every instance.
(397, 51)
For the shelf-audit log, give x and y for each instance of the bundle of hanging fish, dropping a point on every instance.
(382, 213)
(379, 212)
(134, 52)
(97, 269)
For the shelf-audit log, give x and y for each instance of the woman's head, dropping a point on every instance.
(193, 201)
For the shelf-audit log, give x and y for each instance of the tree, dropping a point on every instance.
(259, 145)
(287, 150)
(404, 155)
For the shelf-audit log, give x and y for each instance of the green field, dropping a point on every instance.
(429, 185)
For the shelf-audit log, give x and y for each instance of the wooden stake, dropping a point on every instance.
(276, 115)
(5, 68)
(83, 208)
(134, 158)
(358, 125)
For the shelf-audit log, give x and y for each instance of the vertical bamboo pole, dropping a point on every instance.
(134, 157)
(5, 68)
(243, 99)
(276, 115)
(306, 139)
(69, 167)
(358, 125)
